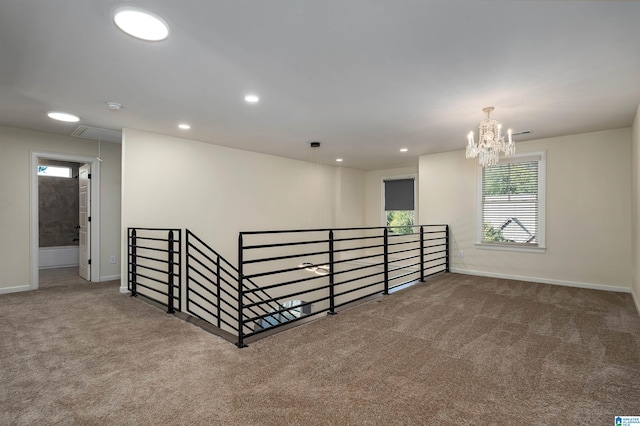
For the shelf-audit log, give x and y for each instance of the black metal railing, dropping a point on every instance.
(282, 276)
(154, 265)
(329, 268)
(212, 289)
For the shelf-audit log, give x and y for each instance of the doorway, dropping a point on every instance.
(92, 211)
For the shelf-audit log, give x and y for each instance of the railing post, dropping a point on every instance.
(421, 253)
(134, 261)
(386, 261)
(332, 302)
(240, 343)
(447, 248)
(170, 309)
(218, 290)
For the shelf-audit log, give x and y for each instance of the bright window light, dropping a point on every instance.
(54, 171)
(63, 116)
(141, 24)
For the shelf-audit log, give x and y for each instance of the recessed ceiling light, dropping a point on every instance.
(140, 23)
(404, 149)
(339, 160)
(252, 99)
(63, 116)
(184, 126)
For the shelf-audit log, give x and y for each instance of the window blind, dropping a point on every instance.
(399, 194)
(510, 202)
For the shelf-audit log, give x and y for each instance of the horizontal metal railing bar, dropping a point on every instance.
(156, 269)
(296, 243)
(352, 290)
(164, 240)
(435, 245)
(288, 295)
(288, 256)
(353, 259)
(359, 278)
(434, 239)
(396, 260)
(278, 271)
(404, 251)
(371, 237)
(394, 235)
(357, 248)
(154, 229)
(150, 258)
(293, 231)
(436, 266)
(357, 299)
(300, 280)
(163, 250)
(139, 284)
(150, 248)
(359, 268)
(405, 242)
(150, 278)
(404, 275)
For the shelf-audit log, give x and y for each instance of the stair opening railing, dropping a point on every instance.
(154, 259)
(283, 276)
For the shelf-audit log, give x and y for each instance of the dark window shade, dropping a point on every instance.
(398, 194)
(510, 203)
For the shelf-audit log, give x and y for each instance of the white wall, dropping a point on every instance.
(635, 198)
(16, 146)
(216, 191)
(588, 212)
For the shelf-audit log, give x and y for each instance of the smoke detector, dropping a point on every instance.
(114, 106)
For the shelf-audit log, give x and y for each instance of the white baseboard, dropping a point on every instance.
(15, 289)
(110, 278)
(591, 286)
(636, 302)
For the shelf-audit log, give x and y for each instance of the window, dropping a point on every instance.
(511, 203)
(399, 205)
(55, 171)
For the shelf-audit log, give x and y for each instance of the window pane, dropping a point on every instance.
(510, 203)
(402, 219)
(55, 171)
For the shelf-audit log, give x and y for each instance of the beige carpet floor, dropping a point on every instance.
(455, 350)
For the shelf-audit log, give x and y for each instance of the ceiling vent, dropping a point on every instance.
(98, 134)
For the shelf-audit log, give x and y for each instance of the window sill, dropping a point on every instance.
(504, 247)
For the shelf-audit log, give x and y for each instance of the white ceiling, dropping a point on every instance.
(364, 77)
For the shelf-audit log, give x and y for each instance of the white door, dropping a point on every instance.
(84, 180)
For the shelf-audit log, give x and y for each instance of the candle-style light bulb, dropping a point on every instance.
(470, 138)
(509, 132)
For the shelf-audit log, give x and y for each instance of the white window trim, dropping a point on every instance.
(542, 196)
(383, 212)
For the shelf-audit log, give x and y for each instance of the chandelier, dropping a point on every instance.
(490, 142)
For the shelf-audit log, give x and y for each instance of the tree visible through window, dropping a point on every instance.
(510, 202)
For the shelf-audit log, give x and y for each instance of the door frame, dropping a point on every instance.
(34, 253)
